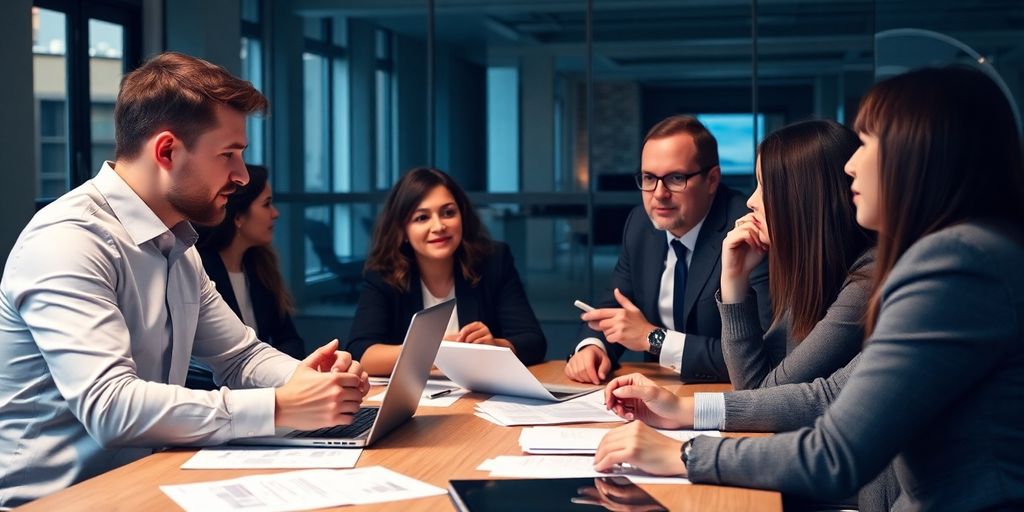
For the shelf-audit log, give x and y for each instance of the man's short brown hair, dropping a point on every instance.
(178, 93)
(707, 146)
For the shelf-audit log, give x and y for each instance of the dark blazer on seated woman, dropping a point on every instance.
(498, 301)
(272, 326)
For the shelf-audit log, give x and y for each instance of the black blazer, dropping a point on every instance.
(272, 327)
(638, 276)
(498, 300)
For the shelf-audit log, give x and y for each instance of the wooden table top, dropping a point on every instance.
(438, 444)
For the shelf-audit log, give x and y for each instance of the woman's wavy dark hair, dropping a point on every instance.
(811, 219)
(392, 258)
(948, 152)
(261, 259)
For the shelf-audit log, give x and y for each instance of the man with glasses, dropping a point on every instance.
(662, 299)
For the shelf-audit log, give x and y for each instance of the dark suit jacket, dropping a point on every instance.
(272, 327)
(498, 300)
(638, 276)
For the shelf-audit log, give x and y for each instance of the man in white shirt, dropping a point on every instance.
(662, 300)
(104, 300)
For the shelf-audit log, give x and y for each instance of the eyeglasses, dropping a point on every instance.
(674, 182)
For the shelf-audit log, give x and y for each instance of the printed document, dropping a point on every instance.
(583, 441)
(564, 466)
(300, 490)
(273, 458)
(510, 411)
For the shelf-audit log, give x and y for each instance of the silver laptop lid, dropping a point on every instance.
(412, 368)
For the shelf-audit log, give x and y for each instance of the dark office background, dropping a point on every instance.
(536, 107)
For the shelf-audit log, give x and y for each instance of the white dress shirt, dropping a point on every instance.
(101, 307)
(671, 356)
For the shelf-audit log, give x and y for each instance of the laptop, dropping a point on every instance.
(408, 380)
(496, 370)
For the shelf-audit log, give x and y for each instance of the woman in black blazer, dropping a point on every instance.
(429, 246)
(239, 249)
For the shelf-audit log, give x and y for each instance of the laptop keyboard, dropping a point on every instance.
(362, 422)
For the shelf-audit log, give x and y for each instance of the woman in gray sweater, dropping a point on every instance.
(940, 177)
(803, 220)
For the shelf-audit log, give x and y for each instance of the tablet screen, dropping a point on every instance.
(583, 494)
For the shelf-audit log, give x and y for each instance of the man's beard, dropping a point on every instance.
(673, 224)
(190, 200)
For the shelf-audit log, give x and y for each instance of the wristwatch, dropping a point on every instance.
(656, 338)
(684, 452)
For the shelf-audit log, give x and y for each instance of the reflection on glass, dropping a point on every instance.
(387, 171)
(314, 28)
(106, 66)
(318, 246)
(502, 129)
(252, 70)
(251, 11)
(340, 132)
(735, 135)
(314, 87)
(336, 238)
(50, 94)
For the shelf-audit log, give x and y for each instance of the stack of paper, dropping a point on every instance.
(564, 466)
(583, 441)
(508, 411)
(300, 490)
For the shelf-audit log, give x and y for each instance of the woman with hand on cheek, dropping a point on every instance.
(803, 220)
(940, 177)
(430, 246)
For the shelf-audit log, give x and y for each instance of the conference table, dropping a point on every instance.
(438, 444)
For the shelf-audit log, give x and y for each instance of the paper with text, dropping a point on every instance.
(300, 490)
(510, 411)
(273, 458)
(564, 466)
(583, 441)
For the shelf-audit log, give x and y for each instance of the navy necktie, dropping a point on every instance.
(679, 286)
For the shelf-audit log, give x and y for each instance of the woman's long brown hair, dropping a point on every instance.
(392, 258)
(262, 260)
(948, 151)
(812, 223)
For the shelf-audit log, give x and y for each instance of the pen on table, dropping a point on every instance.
(441, 393)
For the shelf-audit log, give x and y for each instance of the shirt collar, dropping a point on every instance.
(138, 219)
(689, 239)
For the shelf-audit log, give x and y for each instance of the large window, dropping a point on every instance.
(252, 70)
(326, 158)
(81, 49)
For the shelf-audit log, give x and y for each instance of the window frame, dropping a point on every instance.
(127, 14)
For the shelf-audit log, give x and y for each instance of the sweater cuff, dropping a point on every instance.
(740, 321)
(702, 465)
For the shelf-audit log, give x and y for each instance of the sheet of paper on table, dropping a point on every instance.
(433, 386)
(300, 490)
(583, 441)
(273, 458)
(510, 411)
(564, 466)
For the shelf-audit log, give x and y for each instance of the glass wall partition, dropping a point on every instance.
(538, 109)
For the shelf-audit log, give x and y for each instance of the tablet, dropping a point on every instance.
(582, 494)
